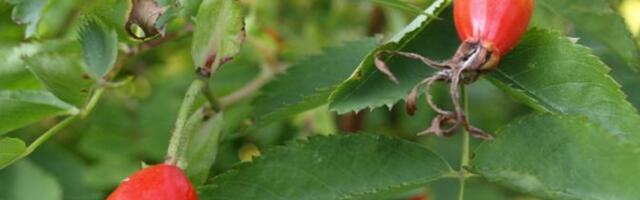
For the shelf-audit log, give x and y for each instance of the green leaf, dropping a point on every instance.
(99, 44)
(339, 167)
(65, 77)
(10, 149)
(20, 108)
(308, 84)
(203, 148)
(598, 19)
(189, 7)
(13, 74)
(398, 4)
(368, 88)
(219, 32)
(560, 157)
(552, 74)
(68, 168)
(27, 181)
(28, 12)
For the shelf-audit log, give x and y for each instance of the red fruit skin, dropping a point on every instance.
(498, 24)
(158, 182)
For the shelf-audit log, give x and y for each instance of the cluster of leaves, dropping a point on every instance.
(104, 101)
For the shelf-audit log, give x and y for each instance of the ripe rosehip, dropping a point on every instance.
(496, 24)
(158, 182)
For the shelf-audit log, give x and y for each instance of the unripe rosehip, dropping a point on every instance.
(158, 182)
(496, 24)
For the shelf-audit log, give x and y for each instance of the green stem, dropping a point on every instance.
(52, 131)
(464, 160)
(206, 91)
(180, 138)
(92, 102)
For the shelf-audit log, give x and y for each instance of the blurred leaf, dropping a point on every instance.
(114, 15)
(560, 157)
(203, 148)
(156, 115)
(338, 167)
(107, 144)
(219, 32)
(368, 88)
(189, 7)
(105, 175)
(552, 74)
(28, 12)
(398, 4)
(20, 108)
(27, 181)
(99, 44)
(65, 77)
(13, 73)
(10, 149)
(597, 18)
(68, 168)
(308, 84)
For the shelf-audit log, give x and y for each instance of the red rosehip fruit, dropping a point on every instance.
(158, 182)
(496, 24)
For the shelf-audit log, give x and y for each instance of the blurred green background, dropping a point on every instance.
(131, 125)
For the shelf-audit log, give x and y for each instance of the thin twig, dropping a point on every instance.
(266, 74)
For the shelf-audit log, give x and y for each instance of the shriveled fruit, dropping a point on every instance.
(158, 182)
(488, 30)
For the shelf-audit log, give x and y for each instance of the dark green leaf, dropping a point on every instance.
(99, 44)
(552, 74)
(65, 77)
(308, 84)
(337, 167)
(368, 88)
(219, 32)
(560, 157)
(203, 148)
(28, 12)
(597, 18)
(10, 149)
(20, 108)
